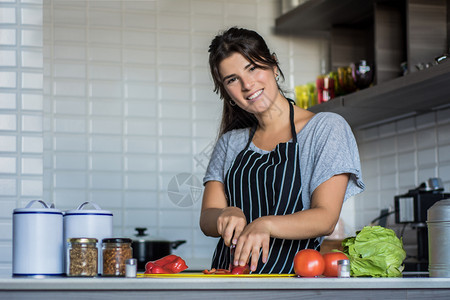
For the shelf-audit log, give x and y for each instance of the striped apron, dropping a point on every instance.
(267, 184)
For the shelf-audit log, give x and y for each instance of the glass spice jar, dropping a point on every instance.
(82, 257)
(115, 252)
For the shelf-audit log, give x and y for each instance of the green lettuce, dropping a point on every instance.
(375, 251)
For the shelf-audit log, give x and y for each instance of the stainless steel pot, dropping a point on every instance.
(439, 238)
(149, 250)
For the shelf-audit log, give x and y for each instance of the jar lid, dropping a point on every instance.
(116, 240)
(82, 240)
(439, 212)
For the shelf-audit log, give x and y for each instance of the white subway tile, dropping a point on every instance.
(7, 36)
(444, 154)
(103, 180)
(426, 173)
(174, 58)
(426, 157)
(140, 127)
(106, 126)
(141, 163)
(443, 116)
(70, 161)
(139, 74)
(141, 108)
(138, 38)
(31, 37)
(200, 76)
(99, 53)
(6, 230)
(104, 18)
(32, 59)
(141, 181)
(174, 110)
(200, 42)
(388, 165)
(72, 16)
(106, 107)
(175, 128)
(32, 102)
(139, 56)
(70, 143)
(72, 180)
(8, 79)
(106, 199)
(69, 125)
(32, 166)
(388, 129)
(177, 76)
(426, 138)
(175, 92)
(443, 134)
(105, 72)
(141, 200)
(8, 143)
(100, 143)
(174, 6)
(105, 162)
(177, 23)
(172, 218)
(8, 122)
(176, 159)
(7, 101)
(207, 8)
(173, 41)
(32, 123)
(7, 15)
(69, 199)
(76, 88)
(444, 173)
(32, 80)
(31, 16)
(69, 52)
(140, 21)
(70, 107)
(207, 111)
(8, 58)
(426, 120)
(139, 6)
(8, 187)
(140, 145)
(69, 70)
(105, 89)
(140, 217)
(69, 34)
(200, 60)
(139, 90)
(8, 207)
(8, 165)
(407, 161)
(31, 144)
(206, 94)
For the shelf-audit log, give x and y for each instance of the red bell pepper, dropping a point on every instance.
(169, 264)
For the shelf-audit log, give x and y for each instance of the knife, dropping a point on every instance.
(232, 248)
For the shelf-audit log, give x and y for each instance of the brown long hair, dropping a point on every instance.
(250, 45)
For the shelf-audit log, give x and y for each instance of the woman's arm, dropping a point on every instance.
(319, 220)
(217, 218)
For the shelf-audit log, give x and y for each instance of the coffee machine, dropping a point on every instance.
(411, 208)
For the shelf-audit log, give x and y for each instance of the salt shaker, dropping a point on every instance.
(131, 267)
(343, 268)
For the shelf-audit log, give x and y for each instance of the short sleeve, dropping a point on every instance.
(215, 169)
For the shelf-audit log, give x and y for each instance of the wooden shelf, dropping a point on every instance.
(412, 94)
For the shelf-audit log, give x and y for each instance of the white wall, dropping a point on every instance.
(125, 105)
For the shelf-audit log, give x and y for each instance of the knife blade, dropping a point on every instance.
(232, 248)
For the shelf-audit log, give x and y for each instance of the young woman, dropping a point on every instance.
(279, 174)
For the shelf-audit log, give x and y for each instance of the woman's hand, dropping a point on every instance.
(254, 238)
(230, 223)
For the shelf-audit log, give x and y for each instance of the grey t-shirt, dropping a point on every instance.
(327, 148)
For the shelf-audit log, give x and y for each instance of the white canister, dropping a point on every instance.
(38, 241)
(93, 223)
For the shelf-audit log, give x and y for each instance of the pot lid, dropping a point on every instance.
(142, 236)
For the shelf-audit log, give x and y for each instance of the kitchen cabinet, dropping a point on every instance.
(387, 33)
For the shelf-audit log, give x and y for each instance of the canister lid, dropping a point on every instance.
(45, 209)
(82, 240)
(439, 212)
(116, 240)
(82, 212)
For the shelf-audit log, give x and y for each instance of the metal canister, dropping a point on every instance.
(438, 222)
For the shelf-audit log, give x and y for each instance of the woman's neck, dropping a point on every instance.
(275, 117)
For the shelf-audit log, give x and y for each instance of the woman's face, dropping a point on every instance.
(252, 88)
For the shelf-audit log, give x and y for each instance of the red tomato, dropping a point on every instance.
(331, 263)
(308, 263)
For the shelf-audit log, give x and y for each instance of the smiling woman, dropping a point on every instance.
(275, 184)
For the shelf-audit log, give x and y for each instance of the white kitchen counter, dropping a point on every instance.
(229, 288)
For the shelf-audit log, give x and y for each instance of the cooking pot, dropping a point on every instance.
(149, 250)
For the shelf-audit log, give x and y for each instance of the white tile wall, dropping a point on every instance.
(108, 101)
